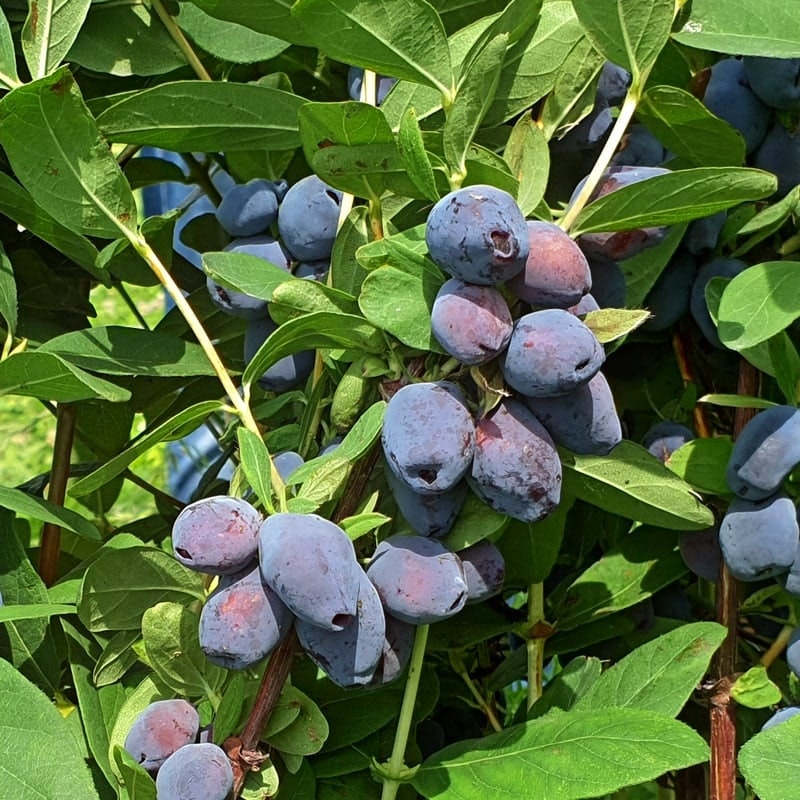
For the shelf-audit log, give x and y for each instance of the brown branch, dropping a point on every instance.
(57, 490)
(243, 749)
(723, 708)
(687, 374)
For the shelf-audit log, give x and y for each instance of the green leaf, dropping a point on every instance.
(265, 16)
(117, 658)
(247, 273)
(163, 432)
(677, 197)
(401, 304)
(743, 27)
(702, 463)
(49, 31)
(568, 687)
(412, 151)
(642, 270)
(205, 116)
(687, 128)
(321, 329)
(27, 644)
(115, 350)
(49, 377)
(39, 757)
(33, 611)
(474, 624)
(528, 157)
(227, 41)
(770, 762)
(121, 585)
(632, 483)
(736, 401)
(573, 93)
(534, 64)
(563, 757)
(350, 145)
(8, 293)
(17, 204)
(530, 549)
(473, 98)
(785, 365)
(475, 522)
(29, 505)
(346, 273)
(659, 676)
(172, 644)
(138, 783)
(256, 464)
(71, 172)
(644, 561)
(125, 40)
(758, 303)
(297, 297)
(610, 324)
(358, 441)
(630, 33)
(8, 62)
(307, 733)
(404, 38)
(754, 689)
(98, 706)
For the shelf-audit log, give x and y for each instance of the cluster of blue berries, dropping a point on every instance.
(549, 358)
(293, 229)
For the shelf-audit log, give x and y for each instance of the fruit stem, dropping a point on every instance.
(183, 43)
(604, 159)
(777, 647)
(396, 760)
(59, 474)
(535, 644)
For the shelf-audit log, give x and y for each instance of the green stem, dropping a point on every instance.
(397, 758)
(535, 644)
(457, 663)
(199, 174)
(134, 309)
(183, 43)
(240, 405)
(604, 159)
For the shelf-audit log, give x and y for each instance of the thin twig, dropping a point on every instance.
(180, 39)
(723, 707)
(57, 490)
(242, 750)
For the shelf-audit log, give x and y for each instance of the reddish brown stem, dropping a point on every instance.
(685, 367)
(242, 750)
(57, 489)
(723, 708)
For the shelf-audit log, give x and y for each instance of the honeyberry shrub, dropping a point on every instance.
(591, 673)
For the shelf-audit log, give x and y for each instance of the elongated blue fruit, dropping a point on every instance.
(516, 469)
(765, 453)
(419, 580)
(759, 539)
(350, 656)
(551, 352)
(428, 436)
(311, 564)
(478, 234)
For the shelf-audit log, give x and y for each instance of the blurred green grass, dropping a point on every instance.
(27, 427)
